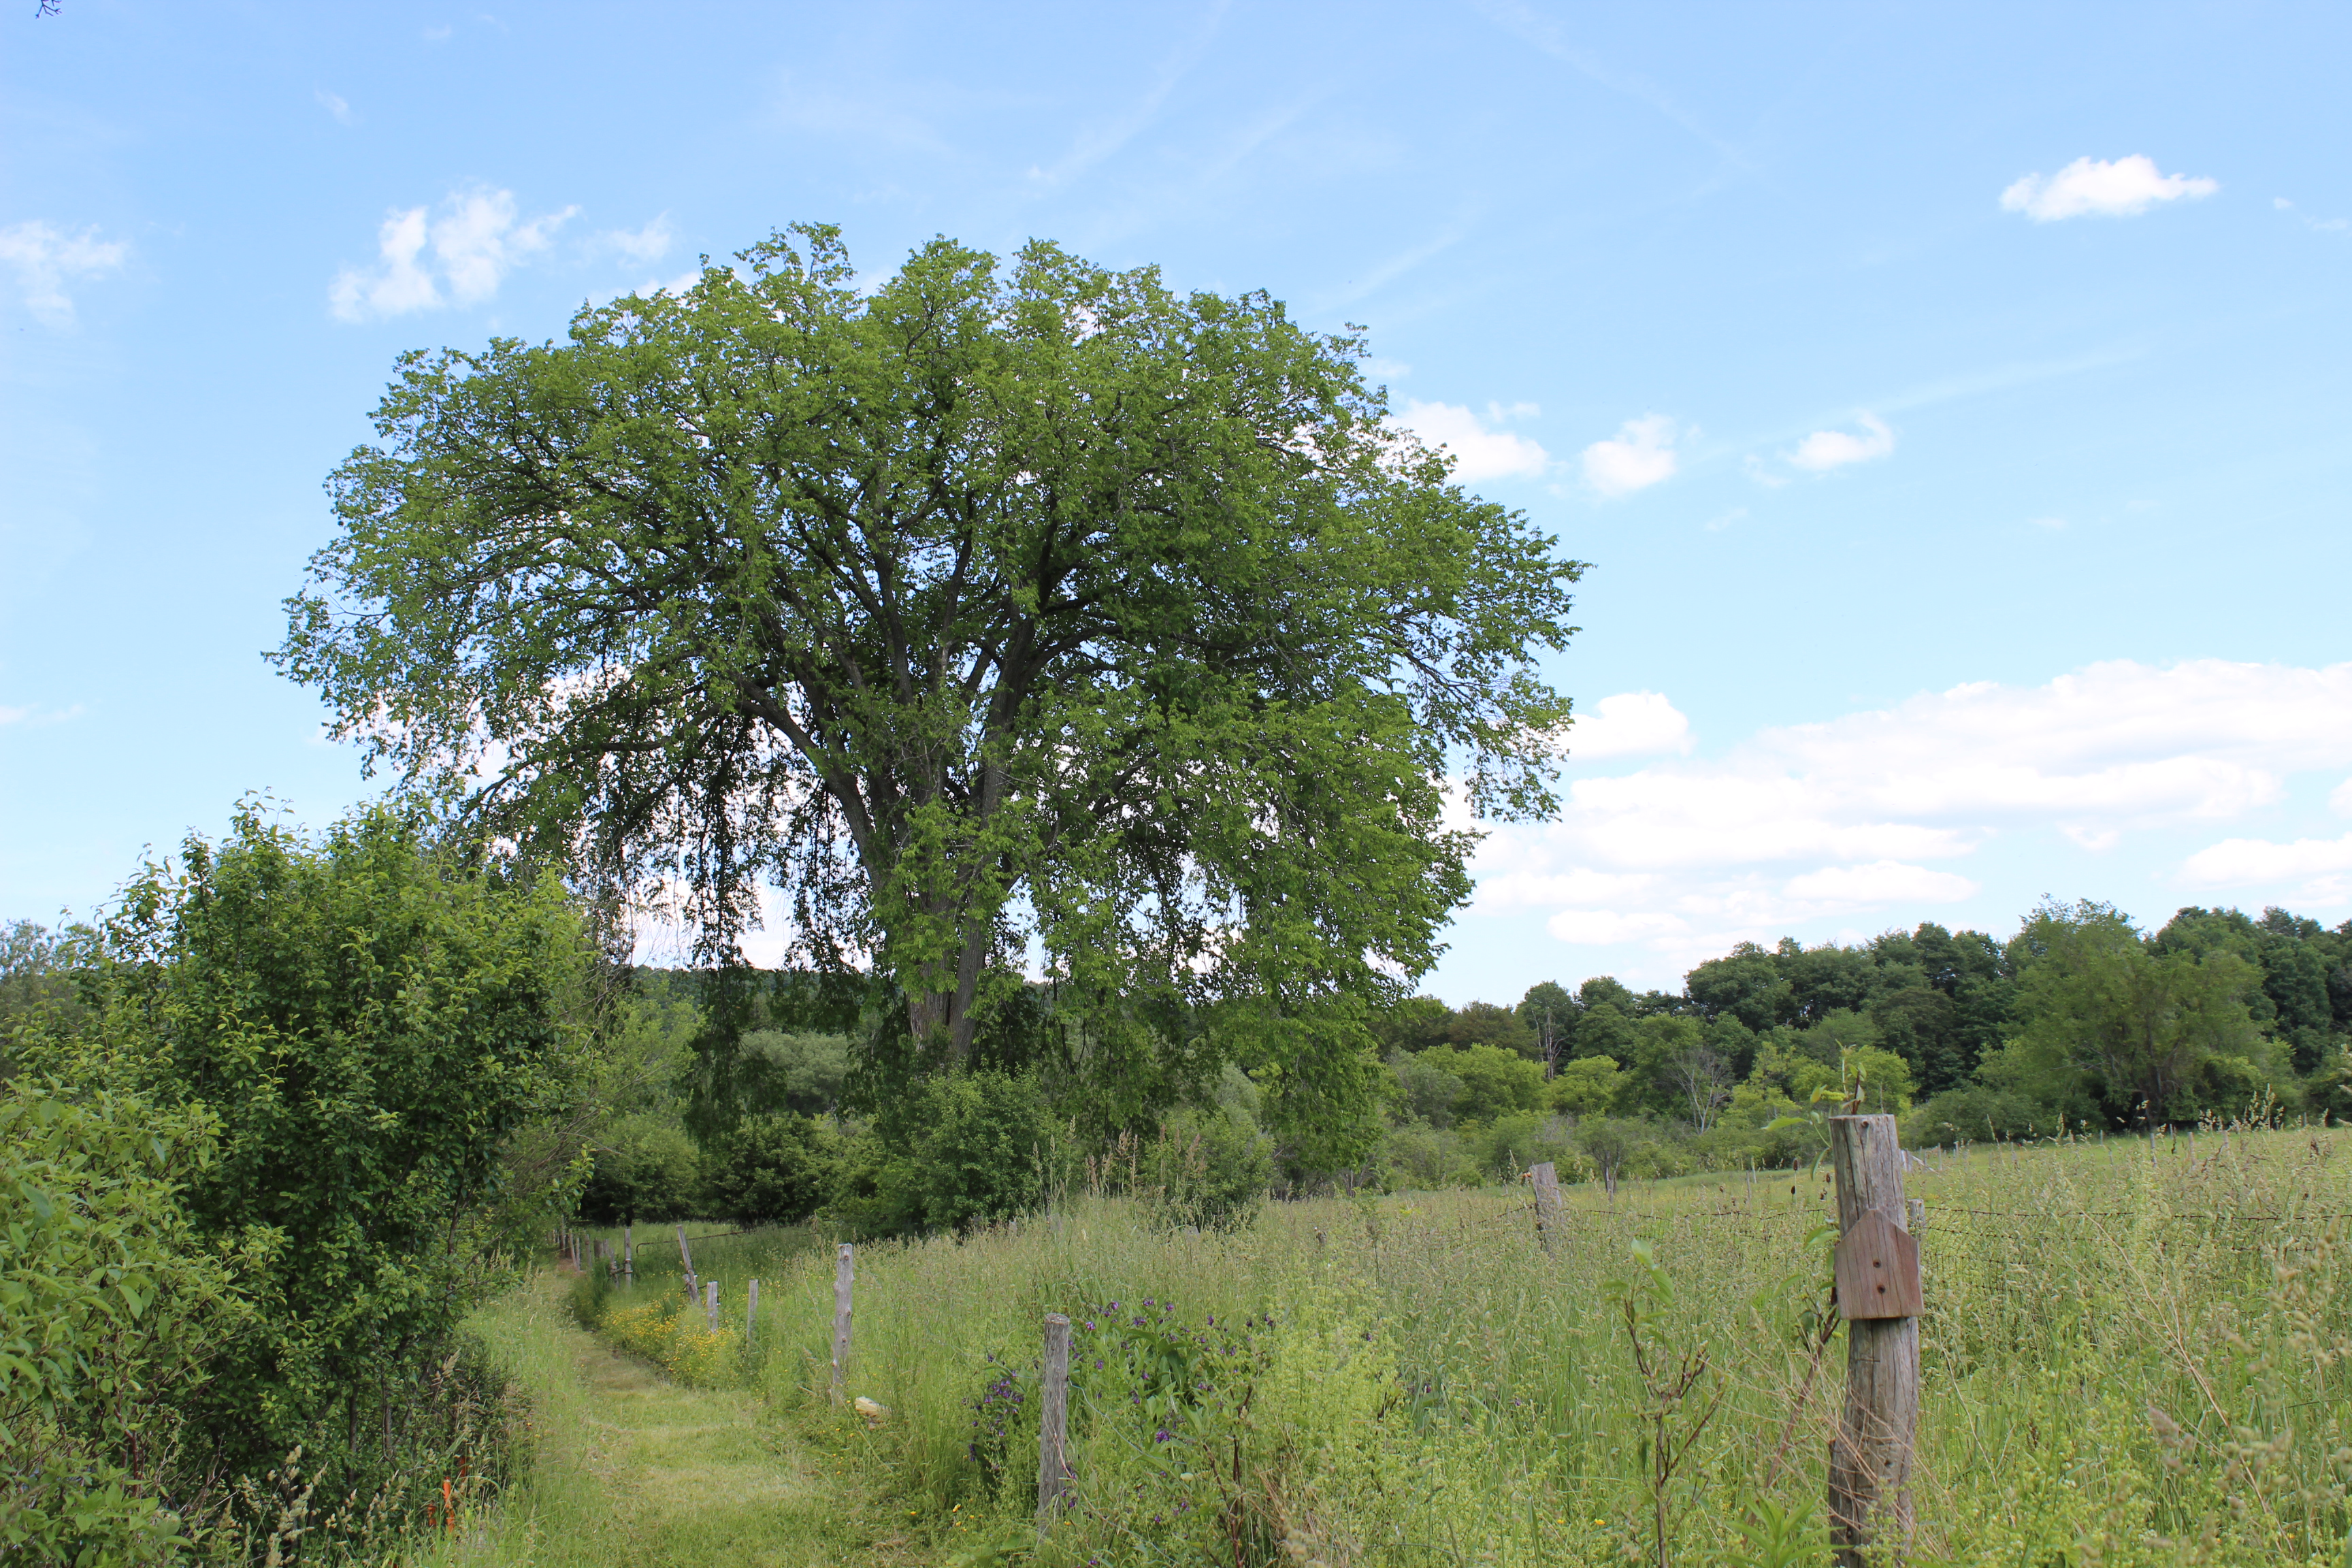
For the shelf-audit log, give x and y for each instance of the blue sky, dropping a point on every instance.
(1951, 400)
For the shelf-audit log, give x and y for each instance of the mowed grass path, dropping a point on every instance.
(632, 1468)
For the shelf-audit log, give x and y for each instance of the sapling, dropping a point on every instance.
(1675, 1420)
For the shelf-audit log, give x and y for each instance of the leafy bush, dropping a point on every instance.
(1495, 1081)
(644, 1168)
(963, 1151)
(365, 1026)
(1209, 1169)
(110, 1312)
(1512, 1143)
(770, 1170)
(1426, 1092)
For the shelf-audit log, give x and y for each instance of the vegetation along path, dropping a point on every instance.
(633, 1468)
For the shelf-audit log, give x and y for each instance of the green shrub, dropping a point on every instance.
(770, 1170)
(1209, 1169)
(367, 1027)
(644, 1168)
(111, 1313)
(963, 1151)
(1495, 1082)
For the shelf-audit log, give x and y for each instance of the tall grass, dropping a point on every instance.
(2130, 1356)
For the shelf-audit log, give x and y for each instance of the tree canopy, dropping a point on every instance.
(993, 607)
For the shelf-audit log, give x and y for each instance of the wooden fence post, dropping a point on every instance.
(710, 1306)
(751, 1315)
(1054, 1420)
(1546, 1185)
(845, 1276)
(1870, 1462)
(686, 1259)
(629, 1250)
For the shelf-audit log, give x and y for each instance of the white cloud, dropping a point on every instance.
(1880, 882)
(44, 258)
(1854, 814)
(1641, 454)
(2339, 800)
(1602, 928)
(2317, 865)
(333, 104)
(2093, 186)
(1387, 368)
(473, 243)
(1478, 453)
(1628, 724)
(649, 244)
(1826, 449)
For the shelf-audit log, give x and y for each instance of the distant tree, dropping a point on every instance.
(1747, 986)
(1607, 990)
(1486, 1024)
(1550, 1014)
(1494, 1081)
(1588, 1086)
(1413, 1023)
(1604, 1031)
(1609, 1141)
(1824, 979)
(2166, 1033)
(983, 606)
(1425, 1091)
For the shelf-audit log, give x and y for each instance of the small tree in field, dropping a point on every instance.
(987, 607)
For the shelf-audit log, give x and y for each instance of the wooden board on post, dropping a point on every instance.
(845, 1279)
(751, 1315)
(1054, 1421)
(710, 1306)
(1546, 1181)
(1870, 1460)
(1877, 1266)
(629, 1251)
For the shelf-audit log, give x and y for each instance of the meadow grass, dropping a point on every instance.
(2131, 1354)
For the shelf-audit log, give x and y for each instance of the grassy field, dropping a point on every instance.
(2131, 1355)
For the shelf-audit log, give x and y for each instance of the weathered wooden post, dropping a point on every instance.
(1054, 1420)
(1878, 1296)
(710, 1306)
(751, 1315)
(629, 1250)
(685, 1258)
(845, 1276)
(1547, 1184)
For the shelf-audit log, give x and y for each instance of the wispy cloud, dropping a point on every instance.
(1478, 452)
(2092, 188)
(44, 258)
(1826, 449)
(1641, 454)
(333, 104)
(2319, 224)
(649, 244)
(1099, 142)
(467, 249)
(1386, 272)
(1532, 26)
